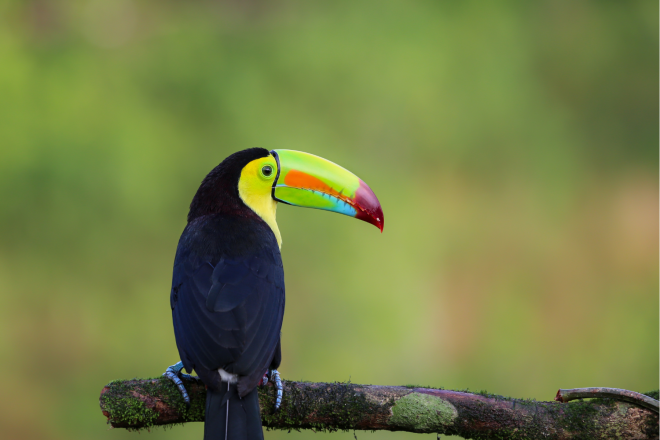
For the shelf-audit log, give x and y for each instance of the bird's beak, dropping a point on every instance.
(313, 182)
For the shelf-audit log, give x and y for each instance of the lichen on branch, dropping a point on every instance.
(142, 404)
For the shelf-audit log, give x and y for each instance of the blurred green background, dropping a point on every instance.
(513, 145)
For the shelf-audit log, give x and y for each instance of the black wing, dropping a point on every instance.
(228, 313)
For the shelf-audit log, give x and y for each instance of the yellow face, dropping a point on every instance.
(255, 187)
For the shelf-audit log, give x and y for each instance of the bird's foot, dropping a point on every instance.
(174, 373)
(274, 376)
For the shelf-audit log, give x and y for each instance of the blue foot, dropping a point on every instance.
(174, 373)
(275, 377)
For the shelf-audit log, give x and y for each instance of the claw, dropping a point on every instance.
(174, 373)
(275, 377)
(264, 380)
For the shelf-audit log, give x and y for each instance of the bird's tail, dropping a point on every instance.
(230, 417)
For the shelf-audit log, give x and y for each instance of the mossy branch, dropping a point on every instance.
(141, 404)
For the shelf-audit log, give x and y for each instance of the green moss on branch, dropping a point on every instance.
(143, 404)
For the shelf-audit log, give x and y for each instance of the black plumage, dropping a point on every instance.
(227, 298)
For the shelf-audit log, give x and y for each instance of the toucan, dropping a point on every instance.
(227, 294)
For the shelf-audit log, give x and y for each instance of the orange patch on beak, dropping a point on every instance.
(298, 179)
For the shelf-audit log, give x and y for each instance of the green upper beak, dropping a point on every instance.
(313, 182)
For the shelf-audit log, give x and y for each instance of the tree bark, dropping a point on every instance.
(142, 404)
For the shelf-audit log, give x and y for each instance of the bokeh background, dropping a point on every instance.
(513, 145)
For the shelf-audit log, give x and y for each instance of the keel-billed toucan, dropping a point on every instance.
(227, 293)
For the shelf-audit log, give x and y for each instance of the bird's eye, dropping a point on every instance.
(267, 170)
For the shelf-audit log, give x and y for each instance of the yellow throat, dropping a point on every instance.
(254, 188)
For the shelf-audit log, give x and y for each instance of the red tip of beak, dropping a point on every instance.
(368, 206)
